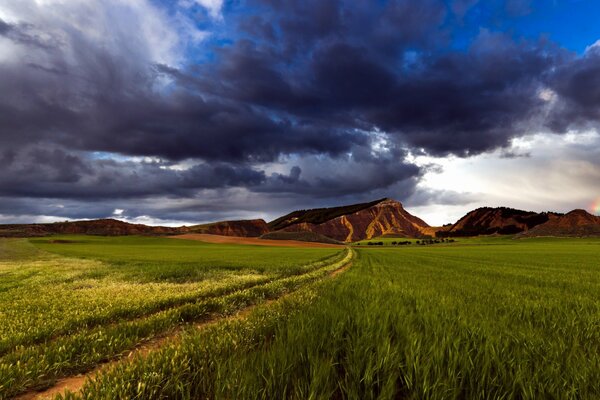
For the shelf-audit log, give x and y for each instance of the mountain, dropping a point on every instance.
(244, 228)
(500, 220)
(577, 223)
(108, 227)
(354, 222)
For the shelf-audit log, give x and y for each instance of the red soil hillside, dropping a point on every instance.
(577, 223)
(112, 227)
(501, 220)
(108, 227)
(355, 222)
(242, 228)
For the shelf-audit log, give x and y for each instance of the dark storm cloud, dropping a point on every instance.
(378, 69)
(345, 176)
(577, 86)
(311, 84)
(328, 69)
(56, 173)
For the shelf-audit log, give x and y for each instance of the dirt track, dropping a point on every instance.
(76, 383)
(202, 237)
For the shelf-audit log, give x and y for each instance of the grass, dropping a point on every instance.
(497, 318)
(70, 302)
(162, 259)
(483, 240)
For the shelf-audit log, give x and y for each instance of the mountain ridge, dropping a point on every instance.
(346, 223)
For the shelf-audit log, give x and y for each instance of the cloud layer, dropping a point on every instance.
(273, 104)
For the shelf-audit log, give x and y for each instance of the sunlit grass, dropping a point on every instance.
(509, 320)
(60, 314)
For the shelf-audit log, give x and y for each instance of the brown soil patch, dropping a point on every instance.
(251, 241)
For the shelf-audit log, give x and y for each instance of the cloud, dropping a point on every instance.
(313, 102)
(576, 84)
(213, 6)
(57, 173)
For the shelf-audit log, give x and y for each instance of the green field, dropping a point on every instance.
(70, 302)
(488, 318)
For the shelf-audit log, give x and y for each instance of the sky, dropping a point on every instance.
(190, 111)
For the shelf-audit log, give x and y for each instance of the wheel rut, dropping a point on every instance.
(76, 382)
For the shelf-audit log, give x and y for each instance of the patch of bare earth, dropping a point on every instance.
(202, 237)
(75, 383)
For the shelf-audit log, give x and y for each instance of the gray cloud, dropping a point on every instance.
(310, 87)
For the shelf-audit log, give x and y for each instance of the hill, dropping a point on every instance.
(577, 223)
(318, 215)
(499, 220)
(106, 227)
(113, 227)
(243, 228)
(354, 222)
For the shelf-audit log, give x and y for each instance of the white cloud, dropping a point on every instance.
(594, 46)
(558, 173)
(131, 29)
(147, 220)
(213, 6)
(30, 219)
(547, 94)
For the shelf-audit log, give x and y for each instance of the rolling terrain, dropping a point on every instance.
(350, 223)
(154, 317)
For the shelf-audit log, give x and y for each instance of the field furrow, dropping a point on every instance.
(38, 366)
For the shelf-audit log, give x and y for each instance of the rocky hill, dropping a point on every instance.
(108, 227)
(500, 220)
(354, 222)
(243, 228)
(577, 223)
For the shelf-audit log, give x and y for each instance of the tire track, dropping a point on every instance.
(75, 383)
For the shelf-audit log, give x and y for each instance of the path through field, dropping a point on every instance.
(75, 383)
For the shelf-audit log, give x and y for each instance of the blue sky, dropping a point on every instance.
(570, 23)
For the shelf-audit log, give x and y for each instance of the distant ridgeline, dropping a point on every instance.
(490, 221)
(384, 217)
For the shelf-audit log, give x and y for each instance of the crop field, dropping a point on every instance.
(490, 318)
(69, 303)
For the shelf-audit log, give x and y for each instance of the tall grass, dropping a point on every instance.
(514, 320)
(65, 315)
